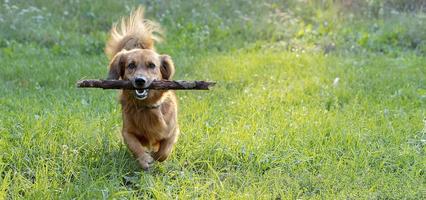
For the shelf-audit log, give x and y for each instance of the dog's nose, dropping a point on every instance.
(140, 81)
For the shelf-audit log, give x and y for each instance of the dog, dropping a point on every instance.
(150, 125)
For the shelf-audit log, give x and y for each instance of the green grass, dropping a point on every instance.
(275, 126)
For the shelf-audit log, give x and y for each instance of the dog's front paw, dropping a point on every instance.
(145, 161)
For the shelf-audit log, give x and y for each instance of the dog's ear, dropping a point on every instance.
(116, 66)
(167, 67)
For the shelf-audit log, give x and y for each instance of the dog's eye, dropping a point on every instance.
(131, 66)
(151, 65)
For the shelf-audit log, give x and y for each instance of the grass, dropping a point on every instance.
(285, 121)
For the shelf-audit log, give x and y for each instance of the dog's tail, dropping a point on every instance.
(133, 32)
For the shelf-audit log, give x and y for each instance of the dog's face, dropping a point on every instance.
(141, 67)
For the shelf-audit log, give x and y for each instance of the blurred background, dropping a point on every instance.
(338, 26)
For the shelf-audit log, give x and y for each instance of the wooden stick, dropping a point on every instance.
(155, 85)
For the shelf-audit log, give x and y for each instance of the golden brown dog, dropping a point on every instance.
(150, 126)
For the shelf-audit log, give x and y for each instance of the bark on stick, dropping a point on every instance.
(155, 85)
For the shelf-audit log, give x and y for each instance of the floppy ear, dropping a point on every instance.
(167, 67)
(116, 67)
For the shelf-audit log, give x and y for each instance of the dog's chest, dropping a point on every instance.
(149, 124)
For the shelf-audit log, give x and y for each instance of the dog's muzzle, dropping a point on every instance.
(139, 82)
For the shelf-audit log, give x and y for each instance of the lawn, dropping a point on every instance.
(312, 100)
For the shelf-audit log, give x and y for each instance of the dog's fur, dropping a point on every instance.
(150, 126)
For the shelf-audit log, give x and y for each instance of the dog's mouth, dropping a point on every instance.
(141, 94)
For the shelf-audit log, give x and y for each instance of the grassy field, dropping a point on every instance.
(314, 100)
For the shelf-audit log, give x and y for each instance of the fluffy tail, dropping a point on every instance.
(133, 32)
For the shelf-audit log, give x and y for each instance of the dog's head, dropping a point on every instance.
(141, 67)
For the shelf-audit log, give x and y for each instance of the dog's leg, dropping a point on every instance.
(166, 146)
(145, 160)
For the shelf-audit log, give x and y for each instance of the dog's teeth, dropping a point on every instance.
(141, 94)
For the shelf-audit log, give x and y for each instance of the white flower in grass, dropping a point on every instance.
(38, 18)
(336, 82)
(34, 9)
(75, 151)
(23, 11)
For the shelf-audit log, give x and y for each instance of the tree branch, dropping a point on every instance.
(155, 85)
